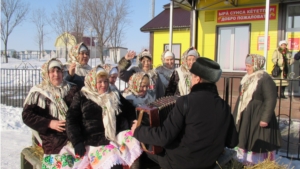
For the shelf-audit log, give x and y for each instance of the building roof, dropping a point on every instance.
(181, 19)
(117, 47)
(85, 39)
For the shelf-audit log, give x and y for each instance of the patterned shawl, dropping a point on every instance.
(184, 74)
(57, 107)
(285, 61)
(80, 70)
(131, 92)
(108, 101)
(249, 83)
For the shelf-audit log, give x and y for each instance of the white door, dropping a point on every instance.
(233, 47)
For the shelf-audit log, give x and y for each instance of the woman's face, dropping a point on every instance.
(113, 78)
(143, 86)
(283, 46)
(169, 62)
(249, 69)
(55, 76)
(146, 63)
(190, 60)
(102, 85)
(83, 57)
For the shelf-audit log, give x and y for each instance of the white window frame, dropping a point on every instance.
(232, 28)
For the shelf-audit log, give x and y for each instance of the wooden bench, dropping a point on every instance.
(30, 159)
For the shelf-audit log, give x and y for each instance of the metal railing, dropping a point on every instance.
(287, 112)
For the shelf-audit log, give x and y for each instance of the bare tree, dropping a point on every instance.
(13, 13)
(68, 19)
(104, 17)
(117, 37)
(39, 19)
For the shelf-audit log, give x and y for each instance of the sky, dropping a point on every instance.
(23, 35)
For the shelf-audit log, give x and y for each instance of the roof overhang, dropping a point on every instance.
(185, 4)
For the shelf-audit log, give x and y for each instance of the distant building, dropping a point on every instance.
(66, 41)
(117, 52)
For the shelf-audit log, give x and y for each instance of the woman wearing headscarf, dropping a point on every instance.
(180, 81)
(45, 111)
(98, 122)
(145, 65)
(254, 114)
(113, 75)
(282, 56)
(164, 72)
(137, 91)
(77, 66)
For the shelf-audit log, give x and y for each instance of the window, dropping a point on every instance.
(233, 47)
(176, 50)
(293, 16)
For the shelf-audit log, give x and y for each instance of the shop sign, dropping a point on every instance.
(245, 14)
(261, 42)
(294, 40)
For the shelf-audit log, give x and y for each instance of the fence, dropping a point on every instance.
(287, 112)
(16, 83)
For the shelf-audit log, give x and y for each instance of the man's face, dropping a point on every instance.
(195, 80)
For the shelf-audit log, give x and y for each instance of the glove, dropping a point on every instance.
(79, 149)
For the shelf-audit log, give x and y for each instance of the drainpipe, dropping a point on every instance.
(171, 26)
(266, 30)
(194, 24)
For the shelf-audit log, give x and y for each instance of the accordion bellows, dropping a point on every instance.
(154, 115)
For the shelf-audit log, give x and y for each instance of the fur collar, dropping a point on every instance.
(210, 87)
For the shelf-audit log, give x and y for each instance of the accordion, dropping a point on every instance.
(153, 115)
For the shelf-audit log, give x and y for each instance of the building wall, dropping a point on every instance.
(120, 52)
(207, 35)
(162, 37)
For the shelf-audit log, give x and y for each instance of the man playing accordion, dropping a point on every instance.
(199, 126)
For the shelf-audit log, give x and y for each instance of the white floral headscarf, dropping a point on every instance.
(58, 107)
(108, 101)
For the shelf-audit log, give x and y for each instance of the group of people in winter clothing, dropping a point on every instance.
(83, 121)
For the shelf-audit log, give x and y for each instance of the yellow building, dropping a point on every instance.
(227, 30)
(66, 41)
(158, 28)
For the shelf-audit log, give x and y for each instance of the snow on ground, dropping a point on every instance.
(15, 136)
(36, 64)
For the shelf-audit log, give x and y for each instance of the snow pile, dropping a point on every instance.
(11, 119)
(15, 136)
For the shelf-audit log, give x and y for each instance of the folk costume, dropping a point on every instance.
(80, 70)
(46, 102)
(111, 70)
(180, 81)
(283, 58)
(131, 92)
(164, 74)
(256, 103)
(125, 74)
(99, 123)
(198, 128)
